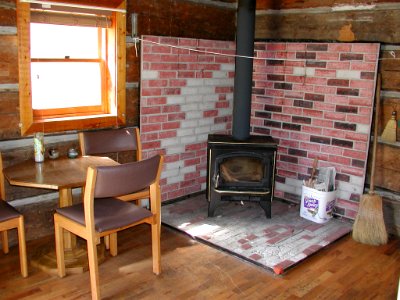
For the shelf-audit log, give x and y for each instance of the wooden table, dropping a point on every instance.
(62, 174)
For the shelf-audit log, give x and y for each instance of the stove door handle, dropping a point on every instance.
(216, 181)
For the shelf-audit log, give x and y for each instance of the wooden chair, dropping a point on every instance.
(114, 140)
(101, 214)
(10, 218)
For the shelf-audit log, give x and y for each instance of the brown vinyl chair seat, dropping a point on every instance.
(10, 218)
(109, 213)
(7, 212)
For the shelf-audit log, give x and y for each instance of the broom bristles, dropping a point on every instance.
(369, 226)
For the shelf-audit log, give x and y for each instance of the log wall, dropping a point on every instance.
(183, 18)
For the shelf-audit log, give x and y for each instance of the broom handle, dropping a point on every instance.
(378, 103)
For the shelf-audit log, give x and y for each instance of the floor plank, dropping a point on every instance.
(191, 270)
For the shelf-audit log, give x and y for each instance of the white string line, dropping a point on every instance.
(135, 39)
(202, 51)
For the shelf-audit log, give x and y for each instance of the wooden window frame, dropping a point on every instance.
(56, 120)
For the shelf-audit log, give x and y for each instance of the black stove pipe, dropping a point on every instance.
(243, 69)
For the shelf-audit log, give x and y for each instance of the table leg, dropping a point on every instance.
(65, 199)
(75, 254)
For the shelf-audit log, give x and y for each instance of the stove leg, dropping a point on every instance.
(213, 203)
(265, 203)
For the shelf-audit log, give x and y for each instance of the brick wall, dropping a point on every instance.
(315, 99)
(185, 95)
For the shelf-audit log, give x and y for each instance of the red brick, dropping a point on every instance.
(325, 73)
(171, 158)
(151, 145)
(151, 92)
(345, 65)
(210, 113)
(150, 110)
(157, 119)
(154, 101)
(150, 127)
(167, 74)
(168, 134)
(171, 125)
(355, 154)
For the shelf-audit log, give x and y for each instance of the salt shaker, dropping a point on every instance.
(38, 146)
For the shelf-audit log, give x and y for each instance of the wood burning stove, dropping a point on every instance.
(241, 167)
(240, 170)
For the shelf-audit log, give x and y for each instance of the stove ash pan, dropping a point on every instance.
(240, 170)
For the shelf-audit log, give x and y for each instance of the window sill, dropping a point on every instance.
(73, 123)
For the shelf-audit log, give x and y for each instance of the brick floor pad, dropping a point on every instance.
(242, 229)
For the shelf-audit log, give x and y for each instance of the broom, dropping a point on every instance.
(369, 226)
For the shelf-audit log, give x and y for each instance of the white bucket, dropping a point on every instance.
(317, 206)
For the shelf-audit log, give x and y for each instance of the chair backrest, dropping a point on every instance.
(111, 140)
(2, 182)
(114, 181)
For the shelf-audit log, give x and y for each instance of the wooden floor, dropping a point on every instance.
(191, 270)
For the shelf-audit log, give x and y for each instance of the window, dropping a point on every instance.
(71, 66)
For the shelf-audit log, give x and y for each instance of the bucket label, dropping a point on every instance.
(329, 206)
(311, 204)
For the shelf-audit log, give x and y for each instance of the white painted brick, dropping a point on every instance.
(189, 91)
(175, 150)
(194, 82)
(227, 67)
(203, 173)
(189, 123)
(194, 115)
(189, 107)
(284, 187)
(202, 129)
(294, 182)
(176, 99)
(206, 90)
(185, 132)
(343, 194)
(188, 169)
(203, 186)
(169, 173)
(202, 137)
(217, 127)
(149, 74)
(207, 105)
(348, 74)
(188, 139)
(363, 128)
(357, 180)
(219, 82)
(169, 142)
(303, 71)
(207, 121)
(220, 74)
(174, 165)
(175, 179)
(194, 98)
(210, 98)
(351, 188)
(225, 112)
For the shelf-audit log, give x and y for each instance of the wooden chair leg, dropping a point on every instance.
(113, 244)
(93, 268)
(4, 241)
(107, 242)
(22, 247)
(155, 244)
(59, 249)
